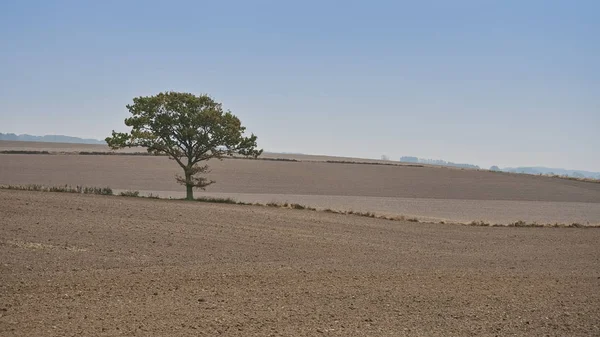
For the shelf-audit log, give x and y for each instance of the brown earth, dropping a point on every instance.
(424, 192)
(304, 178)
(82, 265)
(66, 148)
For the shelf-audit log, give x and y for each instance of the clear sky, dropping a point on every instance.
(506, 82)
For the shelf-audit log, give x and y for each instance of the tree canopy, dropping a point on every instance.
(189, 129)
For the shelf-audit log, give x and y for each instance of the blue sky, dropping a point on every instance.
(507, 83)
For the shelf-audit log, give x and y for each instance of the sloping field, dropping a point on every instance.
(424, 192)
(428, 193)
(305, 178)
(9, 145)
(66, 148)
(111, 266)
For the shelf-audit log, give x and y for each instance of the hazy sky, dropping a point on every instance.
(485, 82)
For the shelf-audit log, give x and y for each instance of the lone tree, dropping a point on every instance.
(189, 129)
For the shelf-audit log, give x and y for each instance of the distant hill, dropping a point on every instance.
(50, 139)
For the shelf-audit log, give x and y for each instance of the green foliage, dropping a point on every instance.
(189, 129)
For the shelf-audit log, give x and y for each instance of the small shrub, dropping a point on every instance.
(297, 206)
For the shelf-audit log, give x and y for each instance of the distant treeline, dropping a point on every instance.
(368, 163)
(436, 162)
(539, 170)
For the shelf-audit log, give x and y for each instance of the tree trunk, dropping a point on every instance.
(189, 187)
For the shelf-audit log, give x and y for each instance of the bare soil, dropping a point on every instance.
(425, 192)
(300, 178)
(84, 265)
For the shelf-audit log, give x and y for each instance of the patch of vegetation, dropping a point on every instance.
(288, 205)
(369, 163)
(220, 200)
(480, 223)
(524, 224)
(365, 214)
(267, 159)
(298, 206)
(23, 152)
(97, 190)
(133, 194)
(62, 189)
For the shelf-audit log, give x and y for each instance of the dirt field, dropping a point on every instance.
(80, 265)
(67, 148)
(424, 192)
